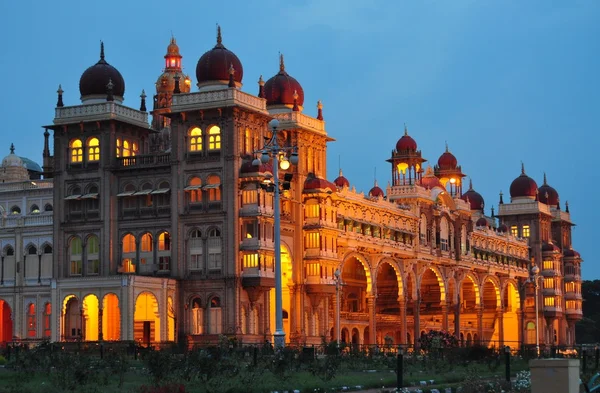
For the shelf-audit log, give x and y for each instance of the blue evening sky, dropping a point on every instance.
(501, 81)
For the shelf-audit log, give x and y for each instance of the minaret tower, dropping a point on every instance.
(406, 162)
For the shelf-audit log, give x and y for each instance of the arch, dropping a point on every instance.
(9, 251)
(397, 271)
(439, 279)
(15, 210)
(195, 189)
(71, 326)
(31, 321)
(90, 314)
(93, 149)
(490, 294)
(215, 315)
(389, 289)
(213, 186)
(440, 195)
(92, 251)
(75, 256)
(214, 137)
(6, 323)
(511, 304)
(76, 147)
(469, 288)
(128, 253)
(195, 139)
(34, 209)
(345, 334)
(146, 319)
(111, 317)
(511, 299)
(197, 315)
(363, 261)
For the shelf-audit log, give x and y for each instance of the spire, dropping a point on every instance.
(46, 152)
(501, 201)
(143, 101)
(281, 63)
(102, 51)
(470, 184)
(261, 87)
(12, 148)
(219, 38)
(176, 89)
(231, 73)
(545, 183)
(522, 168)
(447, 147)
(406, 132)
(567, 206)
(296, 108)
(109, 90)
(558, 203)
(319, 110)
(59, 103)
(493, 215)
(340, 175)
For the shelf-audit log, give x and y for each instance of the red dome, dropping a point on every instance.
(94, 80)
(280, 89)
(523, 186)
(482, 222)
(430, 180)
(314, 183)
(503, 228)
(547, 194)
(550, 247)
(214, 65)
(406, 142)
(376, 192)
(248, 168)
(341, 181)
(570, 253)
(475, 199)
(447, 161)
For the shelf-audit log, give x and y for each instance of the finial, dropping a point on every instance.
(470, 184)
(143, 101)
(261, 81)
(340, 173)
(109, 90)
(567, 206)
(319, 110)
(219, 38)
(231, 73)
(501, 201)
(12, 148)
(537, 194)
(281, 63)
(545, 183)
(59, 103)
(295, 108)
(405, 130)
(101, 50)
(522, 168)
(558, 203)
(261, 87)
(446, 146)
(492, 210)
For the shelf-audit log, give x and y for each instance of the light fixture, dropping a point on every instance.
(284, 163)
(265, 158)
(452, 180)
(274, 123)
(294, 158)
(256, 162)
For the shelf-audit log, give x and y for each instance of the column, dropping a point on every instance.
(480, 323)
(521, 337)
(417, 322)
(100, 314)
(267, 316)
(500, 319)
(372, 320)
(457, 321)
(403, 324)
(444, 316)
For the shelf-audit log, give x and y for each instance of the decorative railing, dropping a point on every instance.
(26, 221)
(26, 185)
(295, 119)
(100, 111)
(225, 97)
(148, 160)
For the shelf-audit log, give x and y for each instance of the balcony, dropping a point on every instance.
(255, 244)
(144, 161)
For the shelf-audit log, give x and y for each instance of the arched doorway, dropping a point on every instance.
(6, 325)
(353, 294)
(286, 282)
(512, 303)
(146, 319)
(71, 319)
(111, 318)
(432, 295)
(170, 319)
(491, 333)
(388, 293)
(469, 301)
(90, 318)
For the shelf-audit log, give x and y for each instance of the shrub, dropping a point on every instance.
(437, 339)
(2, 360)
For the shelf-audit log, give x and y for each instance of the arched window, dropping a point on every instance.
(214, 317)
(76, 150)
(93, 255)
(531, 333)
(128, 258)
(93, 148)
(214, 188)
(129, 202)
(423, 230)
(74, 199)
(9, 251)
(195, 251)
(146, 253)
(75, 253)
(118, 149)
(91, 199)
(248, 147)
(214, 138)
(195, 190)
(195, 138)
(162, 196)
(444, 234)
(197, 317)
(47, 249)
(47, 325)
(164, 251)
(32, 250)
(48, 207)
(214, 250)
(34, 209)
(126, 149)
(15, 210)
(31, 321)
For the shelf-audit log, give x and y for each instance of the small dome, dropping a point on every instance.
(281, 88)
(166, 82)
(313, 183)
(376, 191)
(523, 186)
(341, 181)
(248, 168)
(570, 253)
(94, 80)
(482, 222)
(214, 65)
(547, 194)
(406, 142)
(12, 160)
(503, 228)
(429, 180)
(447, 160)
(173, 48)
(549, 247)
(474, 198)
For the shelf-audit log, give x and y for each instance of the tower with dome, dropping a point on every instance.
(164, 227)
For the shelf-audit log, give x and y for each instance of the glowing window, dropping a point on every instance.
(93, 148)
(549, 283)
(514, 230)
(548, 265)
(525, 230)
(549, 301)
(126, 149)
(31, 321)
(76, 150)
(248, 148)
(128, 257)
(214, 188)
(75, 256)
(164, 251)
(118, 152)
(195, 251)
(195, 138)
(134, 149)
(214, 138)
(146, 244)
(47, 315)
(530, 333)
(195, 190)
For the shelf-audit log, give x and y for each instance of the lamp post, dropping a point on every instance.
(272, 150)
(533, 276)
(338, 283)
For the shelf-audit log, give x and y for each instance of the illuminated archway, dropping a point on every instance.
(111, 318)
(71, 326)
(432, 290)
(170, 319)
(146, 319)
(90, 318)
(491, 303)
(389, 290)
(511, 303)
(6, 323)
(286, 282)
(469, 297)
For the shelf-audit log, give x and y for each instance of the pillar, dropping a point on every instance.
(520, 317)
(372, 319)
(500, 319)
(444, 316)
(100, 314)
(480, 324)
(403, 324)
(457, 321)
(417, 321)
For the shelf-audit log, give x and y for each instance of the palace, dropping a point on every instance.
(164, 230)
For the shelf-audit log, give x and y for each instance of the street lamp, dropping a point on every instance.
(272, 150)
(338, 283)
(533, 277)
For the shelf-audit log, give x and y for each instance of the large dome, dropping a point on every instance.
(12, 160)
(476, 201)
(93, 82)
(447, 160)
(523, 186)
(214, 65)
(281, 88)
(548, 194)
(406, 142)
(341, 181)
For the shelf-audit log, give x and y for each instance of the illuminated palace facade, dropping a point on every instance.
(164, 230)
